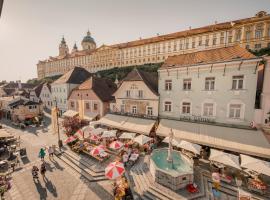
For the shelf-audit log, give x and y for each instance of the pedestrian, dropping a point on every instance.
(42, 154)
(50, 152)
(35, 172)
(43, 170)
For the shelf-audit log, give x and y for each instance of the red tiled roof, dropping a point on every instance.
(208, 56)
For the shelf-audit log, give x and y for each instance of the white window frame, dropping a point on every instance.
(242, 111)
(236, 111)
(182, 107)
(132, 109)
(187, 84)
(147, 110)
(122, 108)
(208, 110)
(165, 105)
(210, 81)
(237, 80)
(168, 85)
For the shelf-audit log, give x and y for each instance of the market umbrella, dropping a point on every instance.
(87, 130)
(142, 139)
(255, 164)
(224, 158)
(127, 135)
(195, 148)
(70, 139)
(114, 170)
(94, 137)
(174, 141)
(107, 134)
(96, 151)
(80, 134)
(116, 145)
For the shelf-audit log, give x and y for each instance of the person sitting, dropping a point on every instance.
(35, 172)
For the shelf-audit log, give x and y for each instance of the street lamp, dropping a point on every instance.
(60, 143)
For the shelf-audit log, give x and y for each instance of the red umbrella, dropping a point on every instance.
(96, 151)
(94, 137)
(80, 133)
(70, 139)
(116, 145)
(114, 170)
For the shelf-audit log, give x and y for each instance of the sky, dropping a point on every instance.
(31, 30)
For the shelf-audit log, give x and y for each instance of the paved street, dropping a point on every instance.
(62, 182)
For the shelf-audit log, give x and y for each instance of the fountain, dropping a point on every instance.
(170, 168)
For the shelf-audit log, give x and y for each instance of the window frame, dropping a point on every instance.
(186, 109)
(237, 79)
(168, 85)
(167, 104)
(187, 84)
(209, 81)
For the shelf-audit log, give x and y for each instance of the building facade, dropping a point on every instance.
(215, 86)
(137, 94)
(94, 96)
(252, 33)
(62, 87)
(46, 96)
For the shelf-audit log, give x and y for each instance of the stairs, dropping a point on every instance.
(82, 165)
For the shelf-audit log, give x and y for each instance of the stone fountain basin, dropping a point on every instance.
(174, 175)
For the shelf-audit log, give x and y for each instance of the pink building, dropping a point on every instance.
(92, 97)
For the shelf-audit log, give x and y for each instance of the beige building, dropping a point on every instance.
(252, 33)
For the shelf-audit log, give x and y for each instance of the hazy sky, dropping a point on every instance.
(31, 30)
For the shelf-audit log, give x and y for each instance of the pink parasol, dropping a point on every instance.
(94, 137)
(70, 139)
(96, 151)
(80, 133)
(116, 145)
(114, 170)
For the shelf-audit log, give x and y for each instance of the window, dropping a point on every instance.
(207, 40)
(140, 94)
(72, 105)
(87, 105)
(168, 106)
(208, 109)
(150, 111)
(258, 46)
(122, 108)
(128, 93)
(209, 83)
(237, 82)
(134, 109)
(248, 34)
(168, 84)
(200, 41)
(222, 38)
(186, 108)
(238, 35)
(187, 84)
(235, 111)
(258, 33)
(230, 37)
(95, 106)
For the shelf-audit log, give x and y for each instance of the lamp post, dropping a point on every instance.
(60, 144)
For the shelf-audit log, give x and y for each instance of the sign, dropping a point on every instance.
(194, 118)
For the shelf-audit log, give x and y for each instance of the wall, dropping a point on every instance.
(22, 112)
(148, 99)
(221, 96)
(46, 97)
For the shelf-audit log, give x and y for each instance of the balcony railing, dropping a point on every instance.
(133, 115)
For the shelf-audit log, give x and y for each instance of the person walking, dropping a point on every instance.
(50, 152)
(43, 170)
(42, 154)
(35, 172)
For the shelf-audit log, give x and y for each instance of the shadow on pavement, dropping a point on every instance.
(25, 160)
(57, 166)
(50, 187)
(41, 190)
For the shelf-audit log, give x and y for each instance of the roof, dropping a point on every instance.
(103, 88)
(77, 75)
(186, 33)
(150, 79)
(208, 56)
(38, 89)
(23, 102)
(16, 85)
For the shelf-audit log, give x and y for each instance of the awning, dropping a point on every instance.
(90, 116)
(127, 135)
(233, 139)
(174, 141)
(142, 139)
(195, 148)
(132, 124)
(70, 113)
(256, 165)
(225, 158)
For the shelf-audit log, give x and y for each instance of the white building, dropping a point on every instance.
(34, 94)
(62, 87)
(46, 96)
(208, 98)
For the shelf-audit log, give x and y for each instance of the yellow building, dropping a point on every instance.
(252, 33)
